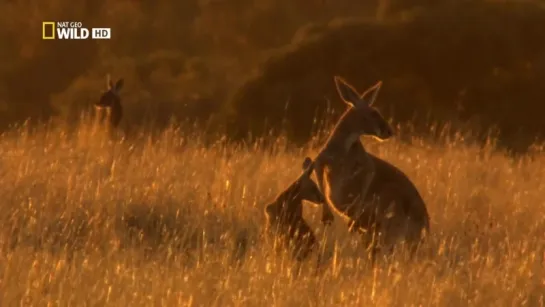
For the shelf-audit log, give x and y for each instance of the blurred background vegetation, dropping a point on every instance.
(253, 65)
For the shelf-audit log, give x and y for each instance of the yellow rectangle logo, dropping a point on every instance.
(48, 25)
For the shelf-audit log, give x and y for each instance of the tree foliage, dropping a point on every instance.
(196, 58)
(479, 64)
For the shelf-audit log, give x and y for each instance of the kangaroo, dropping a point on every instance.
(374, 196)
(111, 102)
(285, 213)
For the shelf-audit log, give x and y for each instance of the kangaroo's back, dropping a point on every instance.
(387, 174)
(391, 179)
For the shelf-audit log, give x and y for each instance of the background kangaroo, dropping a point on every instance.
(285, 213)
(374, 196)
(110, 101)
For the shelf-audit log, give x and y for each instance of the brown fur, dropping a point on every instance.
(285, 214)
(374, 196)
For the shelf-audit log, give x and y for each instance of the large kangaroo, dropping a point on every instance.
(285, 214)
(374, 196)
(111, 102)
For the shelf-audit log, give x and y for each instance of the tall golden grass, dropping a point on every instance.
(169, 219)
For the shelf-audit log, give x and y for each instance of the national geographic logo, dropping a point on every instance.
(72, 30)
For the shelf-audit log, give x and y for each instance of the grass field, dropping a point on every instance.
(170, 221)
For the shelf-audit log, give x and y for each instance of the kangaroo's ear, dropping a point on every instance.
(347, 93)
(109, 84)
(270, 210)
(308, 165)
(119, 84)
(371, 94)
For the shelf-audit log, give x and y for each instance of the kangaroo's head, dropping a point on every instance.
(288, 205)
(110, 97)
(362, 118)
(111, 101)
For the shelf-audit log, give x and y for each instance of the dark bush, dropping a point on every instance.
(473, 62)
(179, 58)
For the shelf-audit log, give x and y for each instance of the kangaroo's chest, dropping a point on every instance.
(343, 170)
(343, 180)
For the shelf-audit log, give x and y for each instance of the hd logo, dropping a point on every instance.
(72, 30)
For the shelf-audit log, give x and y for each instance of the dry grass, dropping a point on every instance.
(171, 221)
